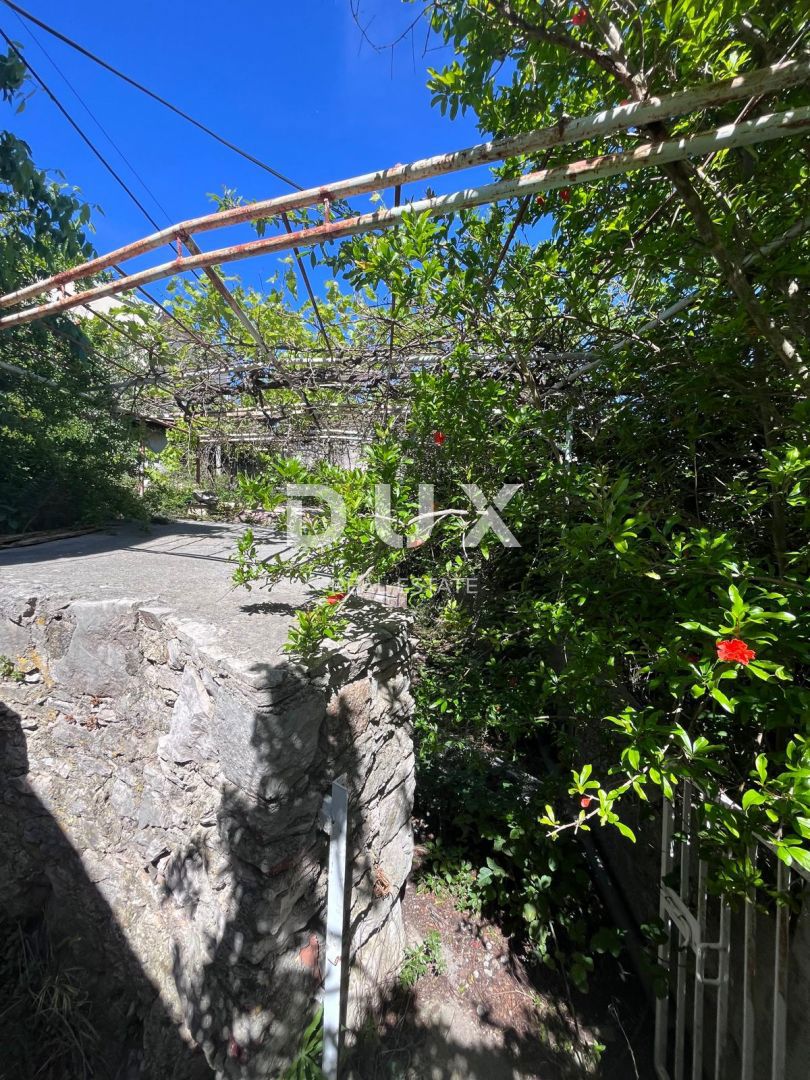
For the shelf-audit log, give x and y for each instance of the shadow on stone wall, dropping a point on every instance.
(225, 985)
(252, 995)
(238, 892)
(246, 994)
(46, 894)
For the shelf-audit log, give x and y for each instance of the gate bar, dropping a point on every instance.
(780, 976)
(680, 992)
(749, 975)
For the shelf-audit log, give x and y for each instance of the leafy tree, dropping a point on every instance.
(65, 454)
(664, 466)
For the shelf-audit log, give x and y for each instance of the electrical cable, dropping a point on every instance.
(77, 128)
(118, 178)
(21, 12)
(97, 122)
(150, 93)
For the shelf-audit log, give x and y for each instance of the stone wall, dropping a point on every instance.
(162, 799)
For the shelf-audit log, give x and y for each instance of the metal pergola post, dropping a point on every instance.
(337, 887)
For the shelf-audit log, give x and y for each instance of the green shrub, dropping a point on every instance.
(45, 1014)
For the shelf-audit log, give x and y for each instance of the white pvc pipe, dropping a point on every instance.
(335, 921)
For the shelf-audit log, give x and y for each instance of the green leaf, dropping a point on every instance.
(737, 604)
(625, 830)
(753, 798)
(721, 699)
(699, 626)
(758, 671)
(801, 856)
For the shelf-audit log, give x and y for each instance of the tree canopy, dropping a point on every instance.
(652, 626)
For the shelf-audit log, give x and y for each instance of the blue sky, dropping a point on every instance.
(291, 82)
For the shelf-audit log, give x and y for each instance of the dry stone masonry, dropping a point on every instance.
(162, 796)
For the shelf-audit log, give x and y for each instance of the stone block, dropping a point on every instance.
(102, 657)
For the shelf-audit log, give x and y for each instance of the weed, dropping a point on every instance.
(306, 1063)
(44, 1012)
(421, 960)
(9, 670)
(449, 876)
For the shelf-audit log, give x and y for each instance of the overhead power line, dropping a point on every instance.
(113, 172)
(82, 135)
(21, 12)
(79, 131)
(96, 121)
(151, 93)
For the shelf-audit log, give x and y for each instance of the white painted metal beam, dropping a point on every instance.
(648, 155)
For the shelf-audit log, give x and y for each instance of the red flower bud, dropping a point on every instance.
(539, 201)
(438, 437)
(580, 17)
(565, 194)
(734, 651)
(585, 801)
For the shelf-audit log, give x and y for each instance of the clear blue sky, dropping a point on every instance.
(291, 82)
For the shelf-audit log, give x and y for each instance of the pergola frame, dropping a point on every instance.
(764, 128)
(356, 371)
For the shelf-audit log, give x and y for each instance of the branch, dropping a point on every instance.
(611, 63)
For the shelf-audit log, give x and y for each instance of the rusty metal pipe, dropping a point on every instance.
(226, 294)
(763, 81)
(648, 155)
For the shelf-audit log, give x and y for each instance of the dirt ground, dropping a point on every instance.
(482, 1018)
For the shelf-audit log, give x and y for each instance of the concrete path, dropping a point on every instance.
(186, 566)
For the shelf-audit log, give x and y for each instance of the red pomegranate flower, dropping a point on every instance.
(565, 194)
(734, 651)
(539, 201)
(585, 802)
(439, 437)
(580, 17)
(335, 597)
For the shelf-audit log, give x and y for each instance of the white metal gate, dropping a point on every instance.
(691, 1026)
